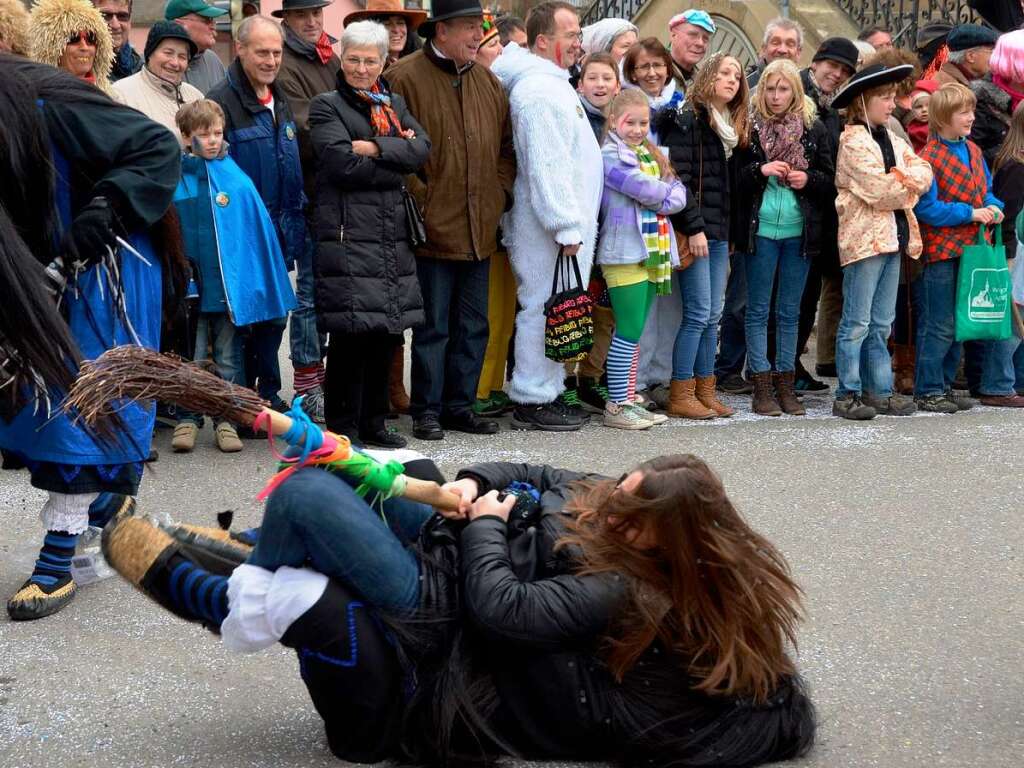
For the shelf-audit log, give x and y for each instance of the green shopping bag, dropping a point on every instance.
(983, 292)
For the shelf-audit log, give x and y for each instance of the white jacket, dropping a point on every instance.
(560, 172)
(156, 98)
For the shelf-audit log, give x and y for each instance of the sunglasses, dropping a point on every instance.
(122, 16)
(89, 38)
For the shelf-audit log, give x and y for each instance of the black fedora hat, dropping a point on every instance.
(442, 10)
(300, 5)
(868, 78)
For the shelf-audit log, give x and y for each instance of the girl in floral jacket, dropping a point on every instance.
(879, 180)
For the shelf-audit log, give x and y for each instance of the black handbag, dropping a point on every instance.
(569, 322)
(414, 222)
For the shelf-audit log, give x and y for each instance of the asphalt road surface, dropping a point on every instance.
(905, 534)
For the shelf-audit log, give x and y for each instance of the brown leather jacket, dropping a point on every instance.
(467, 182)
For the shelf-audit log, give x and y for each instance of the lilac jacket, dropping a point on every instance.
(627, 190)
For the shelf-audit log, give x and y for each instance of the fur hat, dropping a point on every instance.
(14, 26)
(54, 21)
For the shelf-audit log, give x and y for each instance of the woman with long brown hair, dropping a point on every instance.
(579, 617)
(701, 136)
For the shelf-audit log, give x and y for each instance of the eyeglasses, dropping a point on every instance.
(89, 38)
(652, 66)
(572, 37)
(122, 16)
(355, 63)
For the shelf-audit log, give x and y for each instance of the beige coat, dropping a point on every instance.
(156, 98)
(868, 196)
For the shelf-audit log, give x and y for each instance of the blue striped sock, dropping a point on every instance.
(196, 592)
(54, 563)
(618, 365)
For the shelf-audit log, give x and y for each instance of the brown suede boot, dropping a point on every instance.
(397, 395)
(903, 368)
(705, 390)
(785, 394)
(683, 404)
(763, 401)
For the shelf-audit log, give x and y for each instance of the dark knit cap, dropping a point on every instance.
(161, 30)
(968, 36)
(930, 32)
(840, 50)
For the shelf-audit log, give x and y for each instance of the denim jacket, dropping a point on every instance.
(627, 191)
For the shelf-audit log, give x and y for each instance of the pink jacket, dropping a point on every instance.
(868, 195)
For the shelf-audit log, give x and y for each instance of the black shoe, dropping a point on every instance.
(826, 369)
(936, 404)
(154, 455)
(246, 432)
(427, 427)
(853, 408)
(734, 384)
(569, 402)
(468, 422)
(384, 438)
(806, 383)
(592, 395)
(550, 417)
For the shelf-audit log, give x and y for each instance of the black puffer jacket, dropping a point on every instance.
(991, 117)
(833, 122)
(364, 266)
(698, 158)
(812, 198)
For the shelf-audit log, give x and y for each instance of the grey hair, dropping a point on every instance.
(958, 57)
(865, 51)
(251, 23)
(787, 25)
(365, 34)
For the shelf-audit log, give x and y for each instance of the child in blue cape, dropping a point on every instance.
(236, 259)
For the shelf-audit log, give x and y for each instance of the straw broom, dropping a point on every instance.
(131, 373)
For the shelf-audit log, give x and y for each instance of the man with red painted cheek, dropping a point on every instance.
(557, 195)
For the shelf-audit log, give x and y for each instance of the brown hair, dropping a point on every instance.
(633, 97)
(897, 57)
(702, 92)
(599, 58)
(541, 18)
(652, 46)
(714, 592)
(1012, 148)
(199, 115)
(946, 102)
(855, 113)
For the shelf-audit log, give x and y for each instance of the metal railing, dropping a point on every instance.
(610, 9)
(903, 17)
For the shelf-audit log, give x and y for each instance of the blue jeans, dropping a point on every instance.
(703, 296)
(938, 351)
(261, 343)
(227, 346)
(448, 349)
(786, 258)
(306, 345)
(1018, 368)
(733, 342)
(315, 518)
(869, 308)
(998, 371)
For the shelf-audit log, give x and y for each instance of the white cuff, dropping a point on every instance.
(67, 511)
(264, 604)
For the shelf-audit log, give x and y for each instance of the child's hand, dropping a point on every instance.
(775, 168)
(796, 179)
(983, 216)
(408, 133)
(997, 214)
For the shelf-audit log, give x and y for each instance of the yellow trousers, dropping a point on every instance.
(501, 318)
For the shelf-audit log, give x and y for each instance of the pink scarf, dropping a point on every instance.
(1016, 97)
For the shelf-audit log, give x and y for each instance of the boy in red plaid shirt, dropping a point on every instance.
(960, 199)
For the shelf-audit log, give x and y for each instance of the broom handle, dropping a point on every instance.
(423, 491)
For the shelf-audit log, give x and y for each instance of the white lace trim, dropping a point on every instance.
(67, 511)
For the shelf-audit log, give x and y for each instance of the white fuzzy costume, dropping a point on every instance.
(557, 196)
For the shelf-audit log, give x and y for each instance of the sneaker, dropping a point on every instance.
(592, 395)
(893, 405)
(853, 408)
(652, 416)
(569, 401)
(549, 417)
(625, 416)
(962, 402)
(828, 370)
(184, 440)
(227, 438)
(734, 384)
(313, 404)
(495, 404)
(936, 404)
(804, 382)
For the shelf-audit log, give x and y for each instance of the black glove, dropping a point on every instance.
(92, 232)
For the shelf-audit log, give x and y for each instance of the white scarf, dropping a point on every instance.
(723, 127)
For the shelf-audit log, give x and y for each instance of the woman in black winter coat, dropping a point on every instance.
(702, 136)
(366, 290)
(638, 620)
